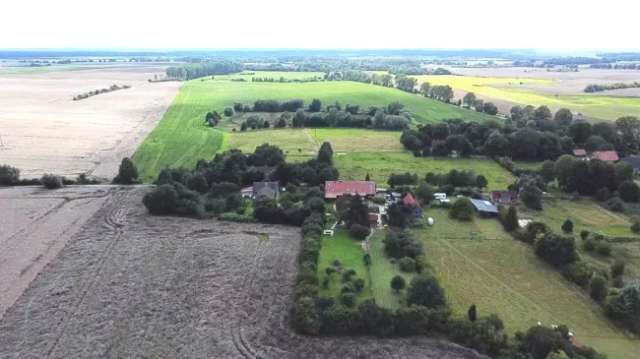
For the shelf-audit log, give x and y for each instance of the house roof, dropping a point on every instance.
(579, 152)
(409, 200)
(633, 161)
(484, 206)
(609, 156)
(335, 189)
(505, 196)
(266, 189)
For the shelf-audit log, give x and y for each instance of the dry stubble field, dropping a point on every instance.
(132, 285)
(43, 130)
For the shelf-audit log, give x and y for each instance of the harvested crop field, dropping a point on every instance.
(43, 130)
(132, 285)
(35, 224)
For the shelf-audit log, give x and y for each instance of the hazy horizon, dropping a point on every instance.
(569, 26)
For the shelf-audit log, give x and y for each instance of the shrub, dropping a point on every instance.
(162, 200)
(398, 283)
(579, 273)
(228, 111)
(127, 173)
(509, 218)
(603, 194)
(617, 268)
(50, 181)
(603, 248)
(348, 299)
(556, 250)
(9, 176)
(635, 227)
(615, 204)
(462, 209)
(584, 234)
(589, 245)
(399, 244)
(629, 191)
(407, 264)
(425, 290)
(358, 285)
(567, 226)
(359, 231)
(598, 289)
(346, 275)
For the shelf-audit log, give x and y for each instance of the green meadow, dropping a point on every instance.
(182, 138)
(478, 263)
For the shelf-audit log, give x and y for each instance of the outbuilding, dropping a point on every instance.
(484, 207)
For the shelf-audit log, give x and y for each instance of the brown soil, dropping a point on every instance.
(44, 130)
(132, 285)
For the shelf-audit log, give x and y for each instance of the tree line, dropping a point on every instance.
(194, 70)
(606, 87)
(530, 134)
(390, 117)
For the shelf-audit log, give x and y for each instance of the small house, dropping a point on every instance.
(247, 192)
(266, 190)
(634, 162)
(410, 201)
(503, 197)
(580, 153)
(484, 207)
(606, 156)
(335, 189)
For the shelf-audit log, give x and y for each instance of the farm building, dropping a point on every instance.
(606, 156)
(580, 153)
(268, 190)
(503, 197)
(484, 207)
(411, 201)
(634, 162)
(335, 189)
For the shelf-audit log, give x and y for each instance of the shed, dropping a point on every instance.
(485, 207)
(503, 197)
(580, 152)
(409, 200)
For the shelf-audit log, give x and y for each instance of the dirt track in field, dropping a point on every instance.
(131, 285)
(42, 130)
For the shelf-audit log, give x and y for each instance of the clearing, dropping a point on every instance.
(44, 131)
(182, 137)
(478, 263)
(131, 285)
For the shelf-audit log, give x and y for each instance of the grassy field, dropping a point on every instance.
(302, 144)
(382, 270)
(381, 164)
(181, 138)
(506, 89)
(350, 254)
(588, 215)
(504, 276)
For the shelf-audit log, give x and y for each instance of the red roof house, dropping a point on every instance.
(409, 200)
(607, 156)
(580, 152)
(335, 189)
(502, 197)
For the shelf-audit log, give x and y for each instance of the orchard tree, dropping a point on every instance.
(325, 154)
(567, 226)
(398, 283)
(469, 99)
(127, 173)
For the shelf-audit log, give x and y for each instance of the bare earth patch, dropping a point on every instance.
(43, 130)
(132, 285)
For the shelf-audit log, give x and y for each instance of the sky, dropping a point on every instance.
(561, 25)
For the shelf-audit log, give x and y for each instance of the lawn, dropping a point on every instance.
(380, 165)
(506, 89)
(350, 254)
(181, 138)
(503, 276)
(382, 270)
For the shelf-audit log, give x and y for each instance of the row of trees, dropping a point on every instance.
(606, 87)
(209, 68)
(390, 117)
(530, 134)
(470, 100)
